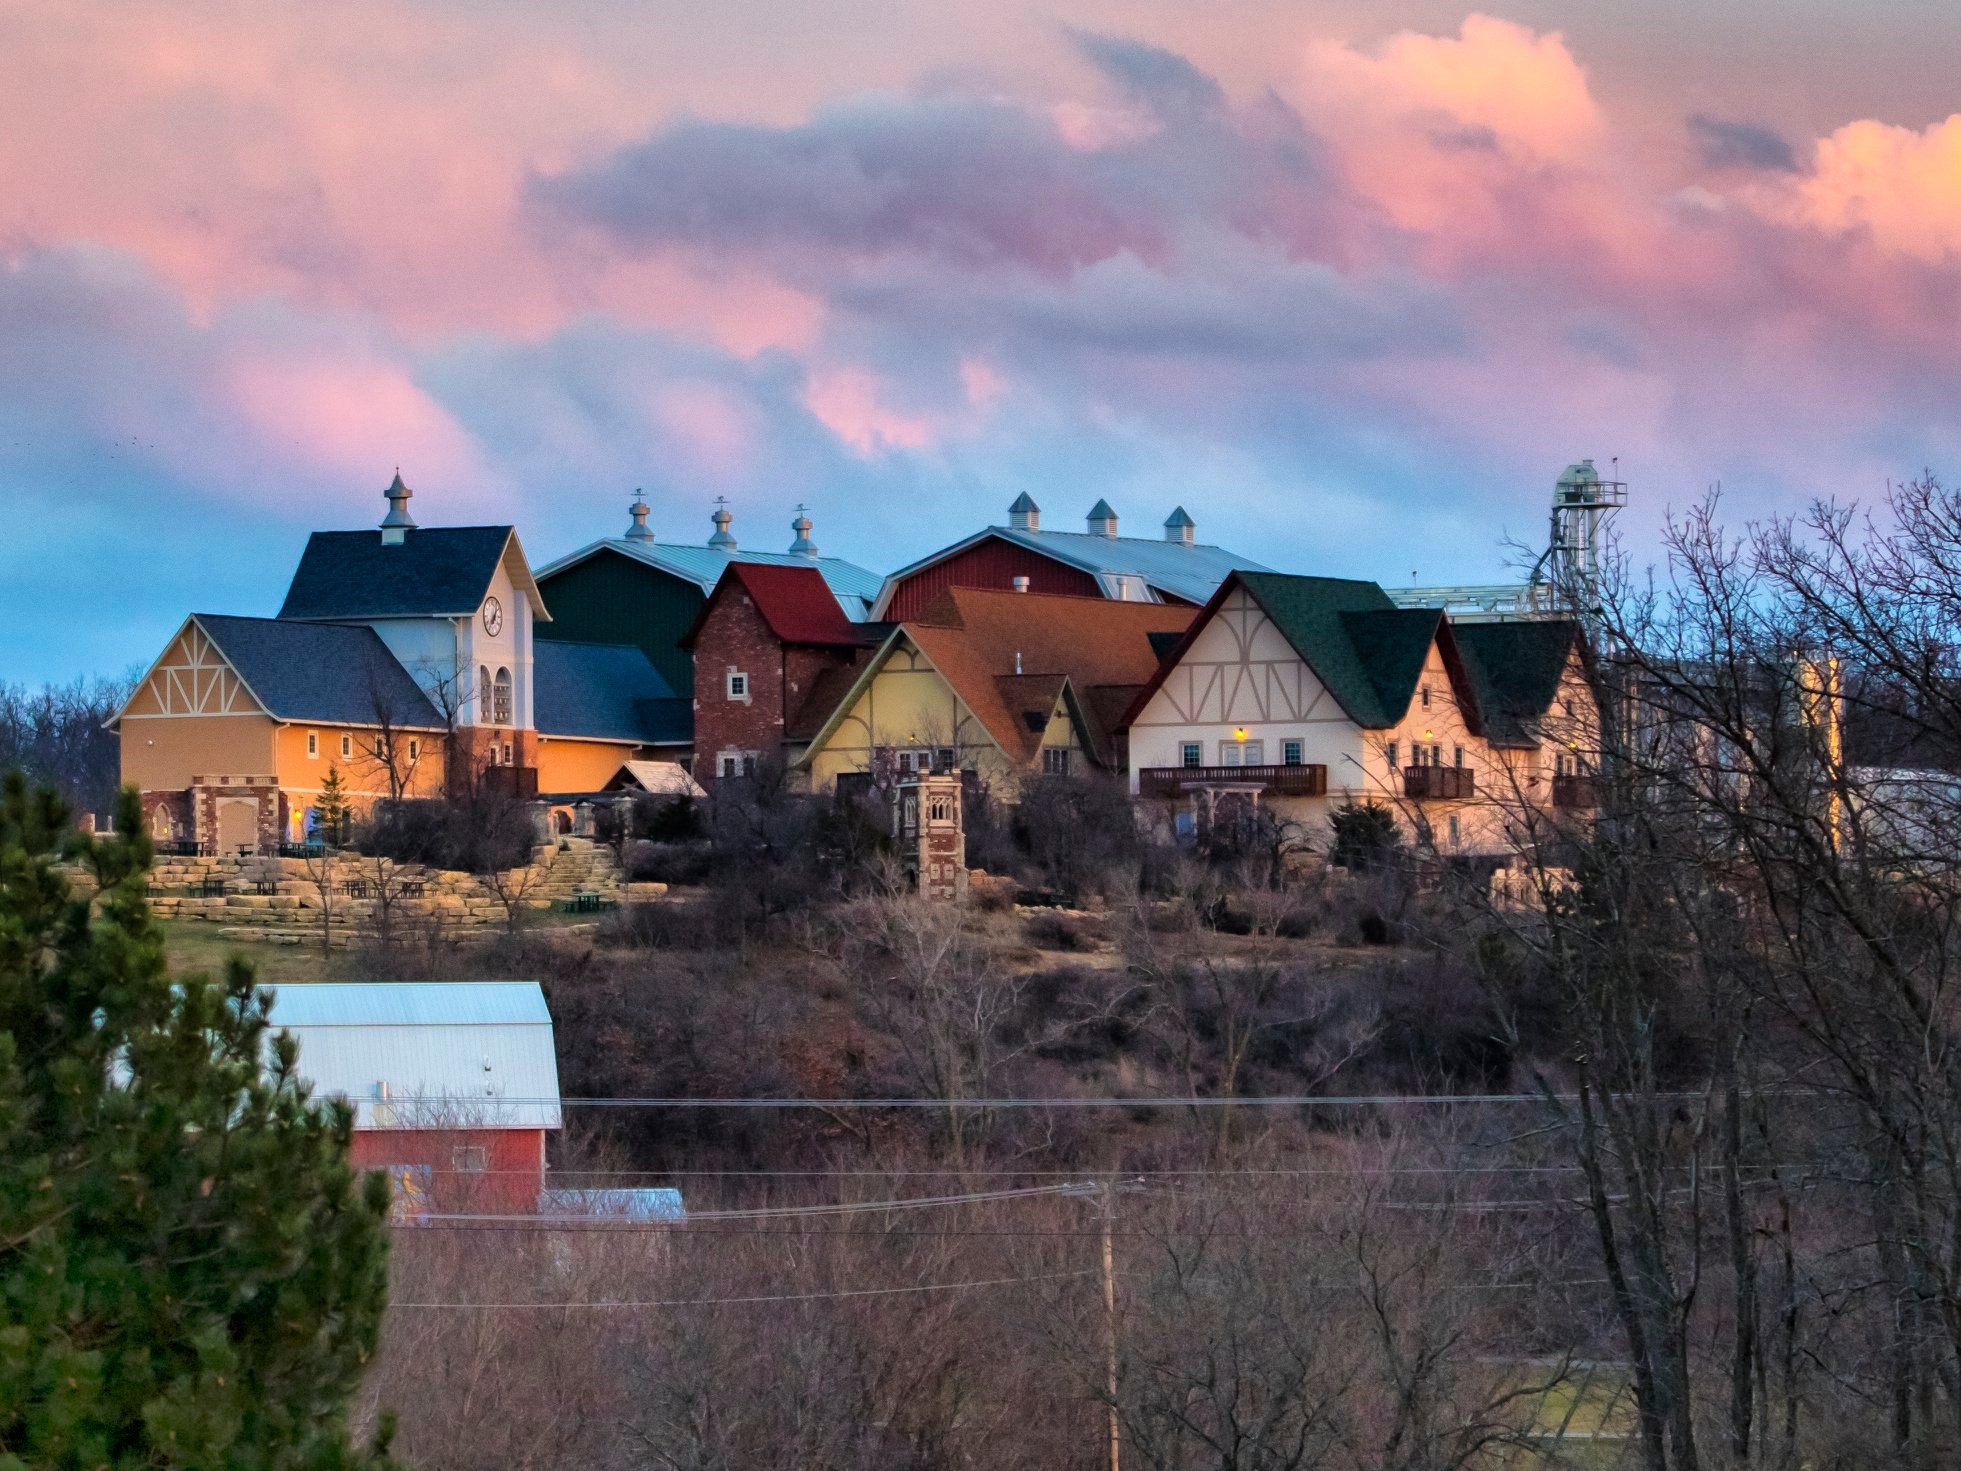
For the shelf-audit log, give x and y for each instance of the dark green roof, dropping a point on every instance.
(1366, 650)
(1514, 670)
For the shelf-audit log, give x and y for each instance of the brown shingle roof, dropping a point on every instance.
(973, 637)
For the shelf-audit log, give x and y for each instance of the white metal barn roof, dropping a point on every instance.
(427, 1054)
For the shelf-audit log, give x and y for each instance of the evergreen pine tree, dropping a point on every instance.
(191, 1274)
(332, 810)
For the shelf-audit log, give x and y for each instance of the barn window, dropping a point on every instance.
(470, 1158)
(500, 703)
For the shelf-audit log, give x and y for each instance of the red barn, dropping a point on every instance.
(454, 1084)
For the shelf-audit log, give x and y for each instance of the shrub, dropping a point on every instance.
(1366, 837)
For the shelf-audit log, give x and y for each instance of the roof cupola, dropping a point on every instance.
(1102, 520)
(638, 529)
(721, 540)
(1024, 514)
(398, 523)
(1180, 528)
(803, 546)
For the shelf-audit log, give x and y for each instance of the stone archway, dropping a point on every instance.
(160, 823)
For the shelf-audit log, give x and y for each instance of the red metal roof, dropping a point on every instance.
(795, 602)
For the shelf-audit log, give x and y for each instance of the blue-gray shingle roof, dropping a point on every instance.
(855, 588)
(340, 674)
(605, 692)
(436, 571)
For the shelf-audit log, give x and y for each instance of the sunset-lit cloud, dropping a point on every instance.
(1351, 285)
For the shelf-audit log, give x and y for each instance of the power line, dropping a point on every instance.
(717, 1302)
(1275, 1100)
(764, 1213)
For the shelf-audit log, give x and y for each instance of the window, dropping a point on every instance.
(507, 753)
(346, 747)
(905, 762)
(728, 766)
(1453, 830)
(1055, 760)
(943, 759)
(738, 683)
(1426, 697)
(313, 745)
(1459, 763)
(1290, 753)
(748, 764)
(500, 701)
(1389, 751)
(471, 1158)
(415, 749)
(483, 692)
(1242, 753)
(1191, 754)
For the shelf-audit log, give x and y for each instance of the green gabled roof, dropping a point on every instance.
(1366, 650)
(1514, 670)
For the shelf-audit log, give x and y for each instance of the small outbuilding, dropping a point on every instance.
(454, 1084)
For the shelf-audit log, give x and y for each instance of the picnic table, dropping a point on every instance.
(211, 887)
(355, 888)
(265, 886)
(412, 888)
(584, 901)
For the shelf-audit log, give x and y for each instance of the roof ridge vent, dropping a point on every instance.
(638, 529)
(1102, 520)
(1180, 528)
(803, 546)
(398, 523)
(721, 540)
(1024, 514)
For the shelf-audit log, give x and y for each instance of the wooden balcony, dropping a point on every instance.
(1439, 783)
(1276, 781)
(1575, 791)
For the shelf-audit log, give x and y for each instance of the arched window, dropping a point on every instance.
(501, 704)
(483, 693)
(160, 822)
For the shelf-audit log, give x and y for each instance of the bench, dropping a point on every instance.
(355, 888)
(412, 888)
(210, 888)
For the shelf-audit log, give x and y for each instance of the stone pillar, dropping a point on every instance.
(929, 823)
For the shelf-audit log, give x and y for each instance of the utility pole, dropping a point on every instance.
(1110, 1316)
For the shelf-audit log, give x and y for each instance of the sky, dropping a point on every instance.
(1350, 282)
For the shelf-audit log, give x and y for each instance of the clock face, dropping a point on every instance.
(493, 617)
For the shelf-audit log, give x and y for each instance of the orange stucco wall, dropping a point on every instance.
(362, 774)
(579, 766)
(163, 753)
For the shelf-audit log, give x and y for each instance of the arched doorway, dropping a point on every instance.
(160, 824)
(238, 825)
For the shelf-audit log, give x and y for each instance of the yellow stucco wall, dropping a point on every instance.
(579, 766)
(163, 753)
(908, 704)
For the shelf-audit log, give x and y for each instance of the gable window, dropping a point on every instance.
(1290, 753)
(1191, 755)
(500, 702)
(313, 745)
(1055, 760)
(346, 747)
(738, 685)
(1426, 697)
(1460, 758)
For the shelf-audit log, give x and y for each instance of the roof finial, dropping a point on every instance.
(397, 524)
(803, 546)
(721, 540)
(639, 530)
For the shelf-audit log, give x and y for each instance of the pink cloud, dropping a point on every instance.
(850, 402)
(1901, 186)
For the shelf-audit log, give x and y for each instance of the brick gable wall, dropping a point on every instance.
(734, 636)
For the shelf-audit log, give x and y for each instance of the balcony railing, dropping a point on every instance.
(1278, 781)
(1439, 783)
(1575, 791)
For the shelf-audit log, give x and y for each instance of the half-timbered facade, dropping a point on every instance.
(1306, 693)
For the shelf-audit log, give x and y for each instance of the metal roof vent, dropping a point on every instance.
(1021, 584)
(638, 529)
(1024, 514)
(1102, 520)
(1180, 528)
(803, 546)
(721, 540)
(398, 523)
